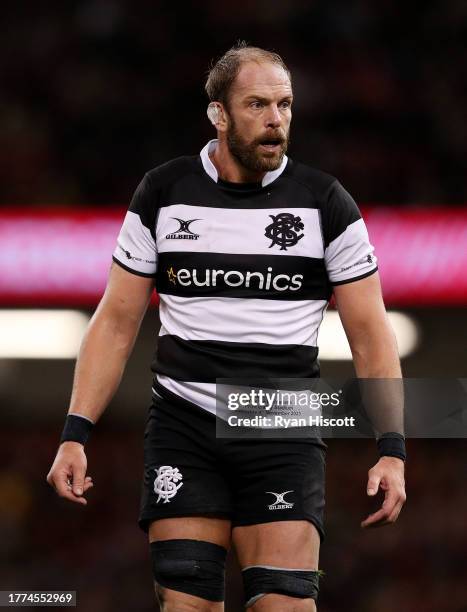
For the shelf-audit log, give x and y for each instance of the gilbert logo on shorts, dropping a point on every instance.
(165, 484)
(280, 503)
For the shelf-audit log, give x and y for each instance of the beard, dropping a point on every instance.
(250, 153)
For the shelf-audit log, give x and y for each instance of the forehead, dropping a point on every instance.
(262, 79)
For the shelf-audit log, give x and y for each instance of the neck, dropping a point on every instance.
(229, 168)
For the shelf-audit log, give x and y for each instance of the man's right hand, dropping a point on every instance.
(68, 472)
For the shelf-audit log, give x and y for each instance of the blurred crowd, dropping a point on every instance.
(416, 565)
(96, 92)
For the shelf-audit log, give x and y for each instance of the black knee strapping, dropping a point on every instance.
(190, 566)
(258, 580)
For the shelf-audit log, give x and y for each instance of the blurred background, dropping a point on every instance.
(93, 94)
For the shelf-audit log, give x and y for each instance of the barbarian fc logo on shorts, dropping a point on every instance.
(165, 484)
(284, 230)
(280, 503)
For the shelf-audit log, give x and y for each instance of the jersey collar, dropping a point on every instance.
(211, 171)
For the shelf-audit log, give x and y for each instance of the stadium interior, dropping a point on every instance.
(95, 93)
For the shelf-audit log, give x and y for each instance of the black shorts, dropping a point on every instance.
(190, 472)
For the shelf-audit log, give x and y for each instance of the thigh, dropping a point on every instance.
(185, 509)
(282, 544)
(207, 529)
(278, 492)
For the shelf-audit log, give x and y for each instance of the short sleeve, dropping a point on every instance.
(348, 254)
(136, 245)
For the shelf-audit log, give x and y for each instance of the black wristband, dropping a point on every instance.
(77, 429)
(392, 444)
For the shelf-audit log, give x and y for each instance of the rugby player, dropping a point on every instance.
(245, 248)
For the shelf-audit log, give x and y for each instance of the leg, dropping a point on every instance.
(181, 477)
(196, 529)
(292, 545)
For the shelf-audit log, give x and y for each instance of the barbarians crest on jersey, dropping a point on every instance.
(165, 484)
(284, 230)
(184, 231)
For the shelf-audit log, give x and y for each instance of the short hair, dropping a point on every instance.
(223, 73)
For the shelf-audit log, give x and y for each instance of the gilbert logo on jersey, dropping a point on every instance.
(184, 231)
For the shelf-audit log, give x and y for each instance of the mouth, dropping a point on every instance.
(271, 144)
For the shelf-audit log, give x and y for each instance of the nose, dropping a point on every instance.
(273, 118)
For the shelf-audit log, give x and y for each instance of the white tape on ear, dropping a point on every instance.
(213, 113)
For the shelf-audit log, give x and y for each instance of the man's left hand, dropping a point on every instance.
(388, 474)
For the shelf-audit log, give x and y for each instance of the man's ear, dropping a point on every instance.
(216, 115)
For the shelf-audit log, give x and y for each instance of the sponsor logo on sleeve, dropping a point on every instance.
(128, 255)
(364, 260)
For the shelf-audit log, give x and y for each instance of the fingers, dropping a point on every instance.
(387, 475)
(381, 517)
(63, 484)
(64, 488)
(77, 480)
(374, 479)
(390, 509)
(397, 507)
(374, 520)
(68, 476)
(88, 484)
(71, 495)
(395, 514)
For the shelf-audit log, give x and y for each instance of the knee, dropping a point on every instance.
(282, 603)
(189, 575)
(273, 589)
(173, 601)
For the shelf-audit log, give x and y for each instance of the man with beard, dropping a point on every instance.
(245, 248)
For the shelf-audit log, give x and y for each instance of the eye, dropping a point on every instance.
(285, 104)
(256, 104)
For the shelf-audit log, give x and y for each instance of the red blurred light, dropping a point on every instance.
(62, 256)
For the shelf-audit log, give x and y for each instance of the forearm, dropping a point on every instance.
(374, 351)
(104, 352)
(377, 364)
(375, 354)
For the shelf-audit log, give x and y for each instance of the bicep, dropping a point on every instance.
(361, 307)
(126, 296)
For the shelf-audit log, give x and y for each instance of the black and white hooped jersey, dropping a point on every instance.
(244, 271)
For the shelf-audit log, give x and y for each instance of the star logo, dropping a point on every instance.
(172, 276)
